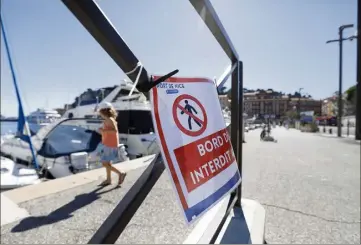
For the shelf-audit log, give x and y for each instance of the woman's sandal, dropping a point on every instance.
(105, 183)
(121, 178)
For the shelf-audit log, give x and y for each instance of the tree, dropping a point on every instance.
(292, 114)
(350, 100)
(222, 91)
(351, 94)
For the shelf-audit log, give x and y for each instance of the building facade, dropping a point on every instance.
(265, 102)
(276, 104)
(224, 100)
(329, 106)
(306, 104)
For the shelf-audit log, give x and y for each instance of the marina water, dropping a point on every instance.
(8, 127)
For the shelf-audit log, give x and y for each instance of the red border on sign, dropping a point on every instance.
(166, 151)
(176, 105)
(184, 79)
(164, 144)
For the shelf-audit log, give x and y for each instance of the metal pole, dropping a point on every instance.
(340, 102)
(340, 109)
(235, 104)
(241, 128)
(358, 84)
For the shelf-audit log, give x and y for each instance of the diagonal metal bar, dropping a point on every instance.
(93, 19)
(113, 226)
(211, 19)
(98, 25)
(226, 74)
(231, 204)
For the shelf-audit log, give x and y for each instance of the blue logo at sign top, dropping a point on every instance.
(172, 91)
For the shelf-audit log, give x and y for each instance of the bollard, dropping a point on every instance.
(330, 130)
(324, 129)
(348, 127)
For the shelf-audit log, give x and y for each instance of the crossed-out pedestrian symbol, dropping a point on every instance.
(183, 106)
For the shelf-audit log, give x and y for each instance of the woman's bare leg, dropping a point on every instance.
(107, 167)
(115, 170)
(120, 174)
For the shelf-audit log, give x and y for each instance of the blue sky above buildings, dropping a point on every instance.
(281, 42)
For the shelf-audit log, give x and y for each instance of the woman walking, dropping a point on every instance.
(110, 142)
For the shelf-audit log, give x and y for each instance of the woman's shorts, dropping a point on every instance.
(108, 154)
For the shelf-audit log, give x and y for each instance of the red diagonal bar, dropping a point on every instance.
(190, 114)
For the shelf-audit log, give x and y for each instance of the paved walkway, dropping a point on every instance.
(72, 216)
(309, 184)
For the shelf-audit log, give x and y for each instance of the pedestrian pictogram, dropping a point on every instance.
(190, 114)
(184, 108)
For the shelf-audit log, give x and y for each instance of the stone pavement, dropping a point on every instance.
(74, 215)
(309, 185)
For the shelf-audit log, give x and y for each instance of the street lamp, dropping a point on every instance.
(299, 100)
(340, 104)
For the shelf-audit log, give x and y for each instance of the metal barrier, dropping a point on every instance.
(93, 19)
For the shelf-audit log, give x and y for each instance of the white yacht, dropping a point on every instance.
(134, 119)
(62, 148)
(43, 116)
(15, 175)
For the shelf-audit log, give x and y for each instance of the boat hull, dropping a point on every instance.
(16, 175)
(19, 151)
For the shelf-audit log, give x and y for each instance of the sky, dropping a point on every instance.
(282, 44)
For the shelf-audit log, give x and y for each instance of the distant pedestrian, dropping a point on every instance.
(110, 141)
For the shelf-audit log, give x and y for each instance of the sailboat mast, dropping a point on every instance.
(23, 127)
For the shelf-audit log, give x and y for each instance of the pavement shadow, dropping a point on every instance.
(352, 142)
(62, 213)
(344, 139)
(237, 231)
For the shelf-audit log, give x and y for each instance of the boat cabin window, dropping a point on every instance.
(124, 92)
(66, 139)
(88, 102)
(135, 122)
(92, 116)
